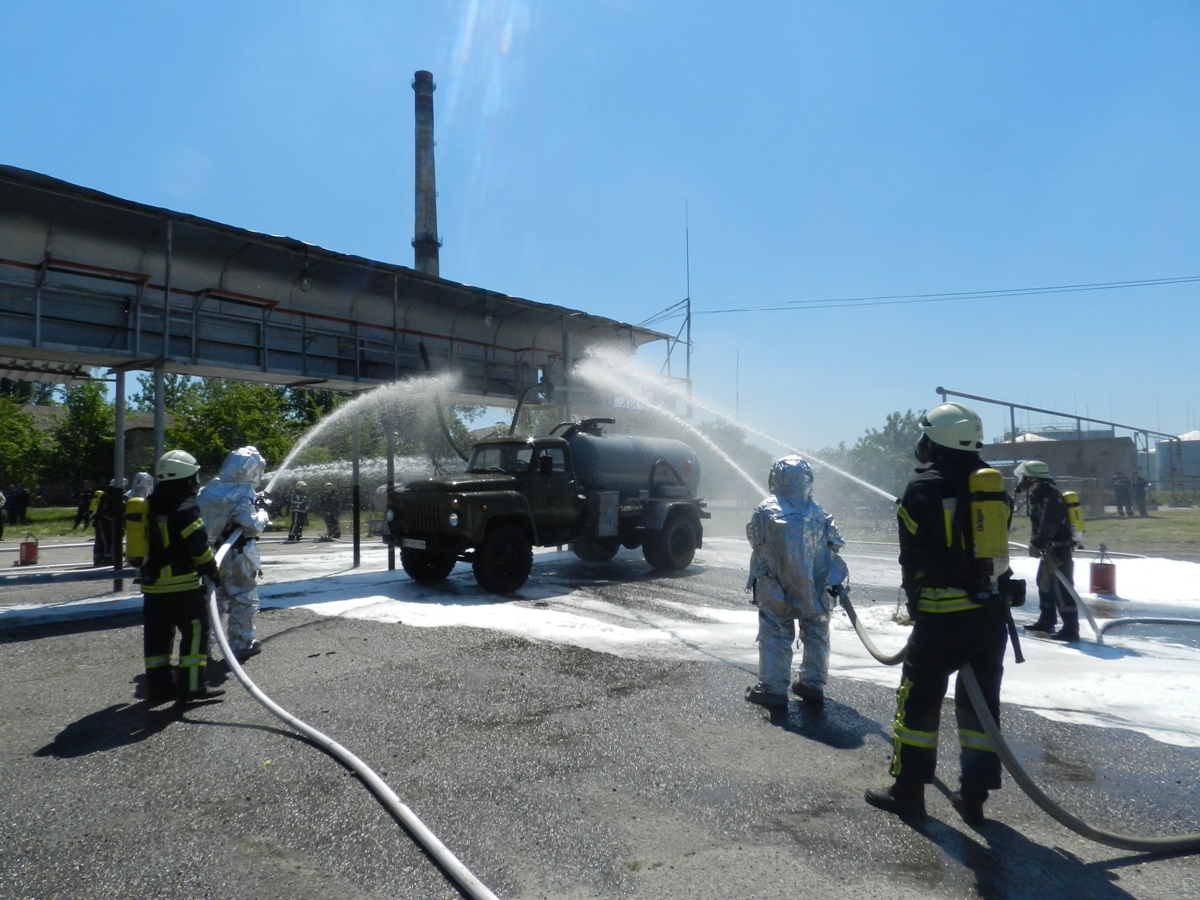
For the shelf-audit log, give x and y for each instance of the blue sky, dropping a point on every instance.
(821, 150)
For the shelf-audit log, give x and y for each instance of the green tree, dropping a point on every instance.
(21, 446)
(222, 415)
(81, 447)
(180, 392)
(882, 457)
(35, 393)
(307, 406)
(720, 480)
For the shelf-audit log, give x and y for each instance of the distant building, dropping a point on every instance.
(1175, 465)
(1089, 458)
(139, 444)
(1083, 465)
(1064, 433)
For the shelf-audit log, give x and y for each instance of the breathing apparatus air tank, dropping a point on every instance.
(137, 540)
(989, 520)
(1074, 514)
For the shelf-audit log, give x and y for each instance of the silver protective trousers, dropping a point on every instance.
(237, 597)
(776, 634)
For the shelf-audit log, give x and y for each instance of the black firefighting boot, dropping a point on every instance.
(1070, 630)
(968, 802)
(160, 685)
(1045, 622)
(905, 799)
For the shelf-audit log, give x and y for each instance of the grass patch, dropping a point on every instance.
(46, 522)
(1173, 533)
(1165, 532)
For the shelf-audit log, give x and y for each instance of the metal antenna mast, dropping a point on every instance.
(687, 255)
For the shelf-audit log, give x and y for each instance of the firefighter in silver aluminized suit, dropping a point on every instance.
(794, 560)
(227, 504)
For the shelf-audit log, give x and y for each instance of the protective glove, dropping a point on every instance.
(1040, 543)
(210, 571)
(912, 597)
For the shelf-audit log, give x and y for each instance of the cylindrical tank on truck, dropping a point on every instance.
(639, 492)
(630, 465)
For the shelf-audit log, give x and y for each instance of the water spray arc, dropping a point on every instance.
(408, 393)
(437, 406)
(622, 364)
(597, 378)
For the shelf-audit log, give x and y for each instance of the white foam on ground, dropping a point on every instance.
(1141, 684)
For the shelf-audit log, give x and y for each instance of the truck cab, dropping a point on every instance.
(541, 470)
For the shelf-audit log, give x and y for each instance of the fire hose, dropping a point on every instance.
(1188, 843)
(454, 869)
(1145, 620)
(1100, 630)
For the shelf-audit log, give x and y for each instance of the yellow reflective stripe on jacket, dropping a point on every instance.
(199, 523)
(908, 520)
(949, 505)
(945, 600)
(166, 583)
(974, 740)
(203, 557)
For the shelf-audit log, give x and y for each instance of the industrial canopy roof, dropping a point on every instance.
(88, 279)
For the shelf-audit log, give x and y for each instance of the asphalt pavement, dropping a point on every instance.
(551, 771)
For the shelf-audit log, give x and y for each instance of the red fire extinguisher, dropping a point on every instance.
(29, 550)
(1104, 575)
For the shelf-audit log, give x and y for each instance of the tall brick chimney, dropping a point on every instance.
(425, 239)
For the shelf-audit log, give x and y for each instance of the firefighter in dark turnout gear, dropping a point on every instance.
(179, 554)
(958, 618)
(110, 509)
(1052, 540)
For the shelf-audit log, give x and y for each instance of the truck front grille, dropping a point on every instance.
(419, 515)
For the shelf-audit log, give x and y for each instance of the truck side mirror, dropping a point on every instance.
(545, 466)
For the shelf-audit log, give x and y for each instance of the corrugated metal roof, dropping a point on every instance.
(85, 281)
(47, 418)
(43, 370)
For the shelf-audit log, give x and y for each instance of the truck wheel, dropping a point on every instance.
(672, 548)
(503, 561)
(596, 549)
(426, 566)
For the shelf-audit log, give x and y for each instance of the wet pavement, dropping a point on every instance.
(550, 770)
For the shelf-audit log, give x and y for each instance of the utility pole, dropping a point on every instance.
(687, 255)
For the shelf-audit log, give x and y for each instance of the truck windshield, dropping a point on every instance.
(513, 458)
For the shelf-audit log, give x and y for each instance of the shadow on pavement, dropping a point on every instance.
(21, 633)
(833, 724)
(1009, 865)
(107, 729)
